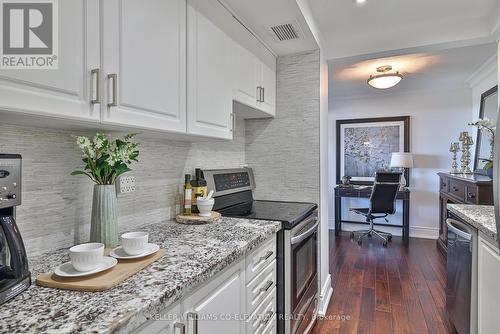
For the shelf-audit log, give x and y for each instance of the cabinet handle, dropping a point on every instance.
(258, 93)
(266, 286)
(263, 99)
(266, 256)
(94, 73)
(181, 327)
(471, 194)
(114, 88)
(194, 317)
(455, 189)
(231, 116)
(267, 316)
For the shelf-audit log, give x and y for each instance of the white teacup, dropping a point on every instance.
(86, 257)
(134, 243)
(205, 206)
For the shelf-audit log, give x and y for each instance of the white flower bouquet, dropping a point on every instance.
(106, 159)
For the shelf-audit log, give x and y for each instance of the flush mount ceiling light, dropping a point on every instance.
(385, 79)
(360, 2)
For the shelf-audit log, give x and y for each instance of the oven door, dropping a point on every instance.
(301, 280)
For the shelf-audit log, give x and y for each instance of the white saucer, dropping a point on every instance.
(67, 269)
(119, 252)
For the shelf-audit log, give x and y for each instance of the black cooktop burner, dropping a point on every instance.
(290, 213)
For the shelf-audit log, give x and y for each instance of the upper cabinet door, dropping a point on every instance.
(65, 92)
(268, 98)
(144, 64)
(248, 77)
(210, 77)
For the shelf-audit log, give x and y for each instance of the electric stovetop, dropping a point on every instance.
(289, 213)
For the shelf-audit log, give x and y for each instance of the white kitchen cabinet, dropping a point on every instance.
(65, 92)
(215, 307)
(247, 77)
(488, 287)
(268, 97)
(144, 64)
(167, 322)
(255, 84)
(210, 76)
(240, 299)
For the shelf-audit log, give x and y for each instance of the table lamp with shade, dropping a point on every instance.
(402, 160)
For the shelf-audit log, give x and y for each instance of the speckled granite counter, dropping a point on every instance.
(481, 217)
(193, 255)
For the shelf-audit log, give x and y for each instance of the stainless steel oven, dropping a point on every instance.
(297, 243)
(301, 275)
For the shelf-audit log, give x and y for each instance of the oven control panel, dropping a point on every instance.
(229, 181)
(10, 180)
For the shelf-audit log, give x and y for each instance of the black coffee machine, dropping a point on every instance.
(14, 274)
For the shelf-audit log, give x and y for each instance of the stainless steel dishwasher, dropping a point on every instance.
(461, 287)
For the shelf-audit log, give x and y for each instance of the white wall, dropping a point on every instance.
(436, 118)
(480, 81)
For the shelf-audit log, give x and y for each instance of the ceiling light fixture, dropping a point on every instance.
(385, 79)
(360, 2)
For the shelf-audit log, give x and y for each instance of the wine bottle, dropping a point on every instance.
(187, 195)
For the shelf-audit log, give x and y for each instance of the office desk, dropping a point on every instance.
(364, 192)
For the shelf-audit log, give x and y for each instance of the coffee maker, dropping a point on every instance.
(14, 274)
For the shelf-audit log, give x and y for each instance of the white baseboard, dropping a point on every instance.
(325, 296)
(422, 232)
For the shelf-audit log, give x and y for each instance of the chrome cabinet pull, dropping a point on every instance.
(266, 256)
(258, 93)
(96, 91)
(181, 327)
(231, 116)
(266, 286)
(114, 101)
(194, 317)
(263, 99)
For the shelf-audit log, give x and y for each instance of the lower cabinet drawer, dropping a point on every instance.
(263, 320)
(260, 286)
(457, 189)
(260, 258)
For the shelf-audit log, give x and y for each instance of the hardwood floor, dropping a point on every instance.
(396, 289)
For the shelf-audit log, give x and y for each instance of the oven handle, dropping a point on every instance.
(301, 237)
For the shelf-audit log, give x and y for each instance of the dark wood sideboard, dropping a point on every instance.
(460, 189)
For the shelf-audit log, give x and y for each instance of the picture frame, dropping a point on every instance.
(364, 146)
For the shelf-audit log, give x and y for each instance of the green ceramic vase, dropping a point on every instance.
(104, 221)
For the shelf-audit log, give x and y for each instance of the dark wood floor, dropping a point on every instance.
(396, 289)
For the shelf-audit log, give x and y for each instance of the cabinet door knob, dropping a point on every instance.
(471, 194)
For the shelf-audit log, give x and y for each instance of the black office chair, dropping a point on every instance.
(382, 204)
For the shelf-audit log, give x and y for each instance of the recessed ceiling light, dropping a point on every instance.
(360, 2)
(385, 79)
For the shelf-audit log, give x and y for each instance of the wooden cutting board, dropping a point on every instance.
(196, 219)
(101, 281)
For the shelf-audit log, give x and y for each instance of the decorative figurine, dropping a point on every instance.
(467, 142)
(454, 148)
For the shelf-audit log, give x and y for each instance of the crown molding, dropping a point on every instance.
(489, 67)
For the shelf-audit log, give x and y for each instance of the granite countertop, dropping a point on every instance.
(481, 217)
(193, 255)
